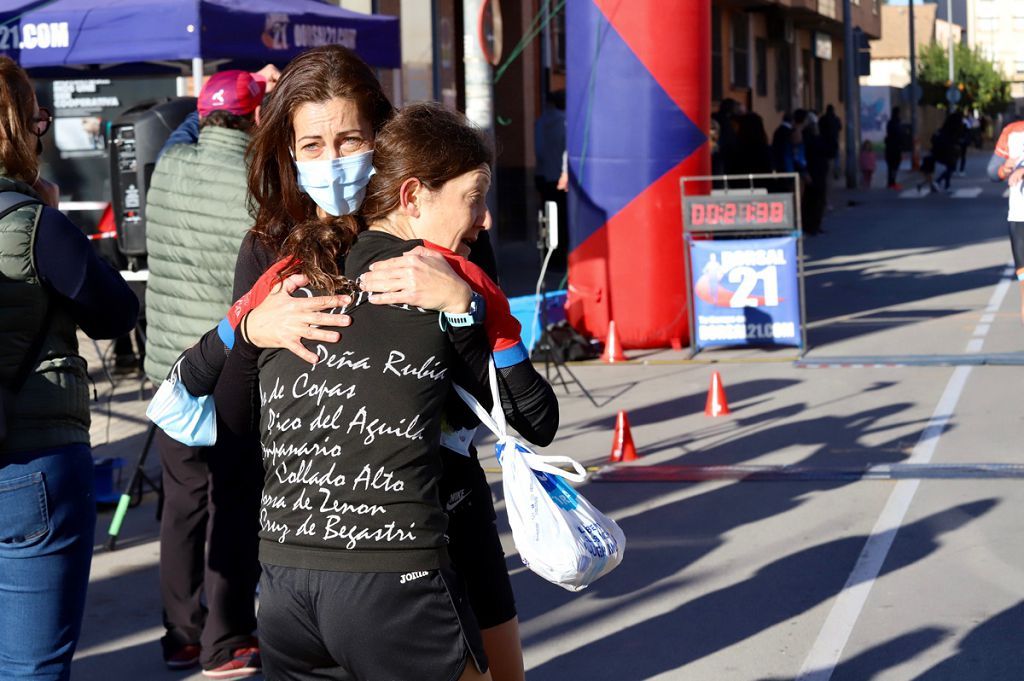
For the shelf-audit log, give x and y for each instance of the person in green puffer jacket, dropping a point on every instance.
(197, 214)
(51, 283)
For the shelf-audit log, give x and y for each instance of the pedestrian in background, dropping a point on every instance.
(755, 155)
(815, 190)
(867, 163)
(829, 127)
(787, 144)
(51, 283)
(729, 148)
(964, 141)
(197, 214)
(893, 148)
(945, 149)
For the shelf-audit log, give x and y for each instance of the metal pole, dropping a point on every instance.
(435, 48)
(479, 84)
(949, 27)
(913, 82)
(197, 75)
(850, 66)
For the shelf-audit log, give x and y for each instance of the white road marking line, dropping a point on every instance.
(835, 632)
(967, 193)
(981, 329)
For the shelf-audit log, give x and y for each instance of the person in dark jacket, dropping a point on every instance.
(51, 284)
(752, 140)
(782, 145)
(829, 127)
(946, 149)
(815, 189)
(893, 148)
(197, 214)
(729, 150)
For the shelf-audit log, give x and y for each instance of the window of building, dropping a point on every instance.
(739, 49)
(986, 10)
(819, 85)
(1018, 64)
(986, 24)
(716, 53)
(806, 83)
(842, 79)
(783, 77)
(761, 60)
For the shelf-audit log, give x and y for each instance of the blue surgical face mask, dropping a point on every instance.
(337, 185)
(188, 419)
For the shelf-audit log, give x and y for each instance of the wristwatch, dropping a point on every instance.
(475, 315)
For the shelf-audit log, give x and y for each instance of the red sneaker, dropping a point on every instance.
(185, 657)
(244, 662)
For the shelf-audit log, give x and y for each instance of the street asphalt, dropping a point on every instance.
(812, 576)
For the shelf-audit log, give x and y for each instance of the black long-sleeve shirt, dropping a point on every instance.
(350, 445)
(99, 300)
(528, 401)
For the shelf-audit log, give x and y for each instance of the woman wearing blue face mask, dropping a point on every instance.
(310, 163)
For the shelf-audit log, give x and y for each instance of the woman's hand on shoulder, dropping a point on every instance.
(282, 321)
(421, 278)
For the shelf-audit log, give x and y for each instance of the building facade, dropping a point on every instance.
(890, 54)
(774, 56)
(995, 27)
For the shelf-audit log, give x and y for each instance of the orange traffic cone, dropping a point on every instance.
(716, 404)
(622, 441)
(612, 347)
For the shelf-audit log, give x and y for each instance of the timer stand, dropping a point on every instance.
(547, 242)
(745, 232)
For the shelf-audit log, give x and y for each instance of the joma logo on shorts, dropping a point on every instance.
(409, 576)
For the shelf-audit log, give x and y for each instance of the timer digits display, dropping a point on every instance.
(738, 212)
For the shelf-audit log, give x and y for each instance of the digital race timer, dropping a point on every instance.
(737, 211)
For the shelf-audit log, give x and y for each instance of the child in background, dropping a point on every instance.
(867, 162)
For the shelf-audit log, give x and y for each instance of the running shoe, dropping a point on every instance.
(185, 657)
(244, 662)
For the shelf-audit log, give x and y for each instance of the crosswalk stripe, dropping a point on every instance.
(967, 193)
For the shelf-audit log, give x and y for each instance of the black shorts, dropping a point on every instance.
(1017, 246)
(317, 625)
(474, 544)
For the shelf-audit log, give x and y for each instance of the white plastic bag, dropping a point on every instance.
(558, 533)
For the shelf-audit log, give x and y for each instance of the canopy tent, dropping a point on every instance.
(157, 34)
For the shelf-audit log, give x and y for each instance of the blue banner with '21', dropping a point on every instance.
(745, 292)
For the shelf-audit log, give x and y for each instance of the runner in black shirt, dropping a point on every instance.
(351, 444)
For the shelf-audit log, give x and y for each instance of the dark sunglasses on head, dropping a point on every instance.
(42, 121)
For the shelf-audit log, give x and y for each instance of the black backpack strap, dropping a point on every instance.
(10, 202)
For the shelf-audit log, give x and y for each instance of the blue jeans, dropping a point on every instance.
(47, 526)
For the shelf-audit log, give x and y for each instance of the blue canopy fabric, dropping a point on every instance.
(65, 33)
